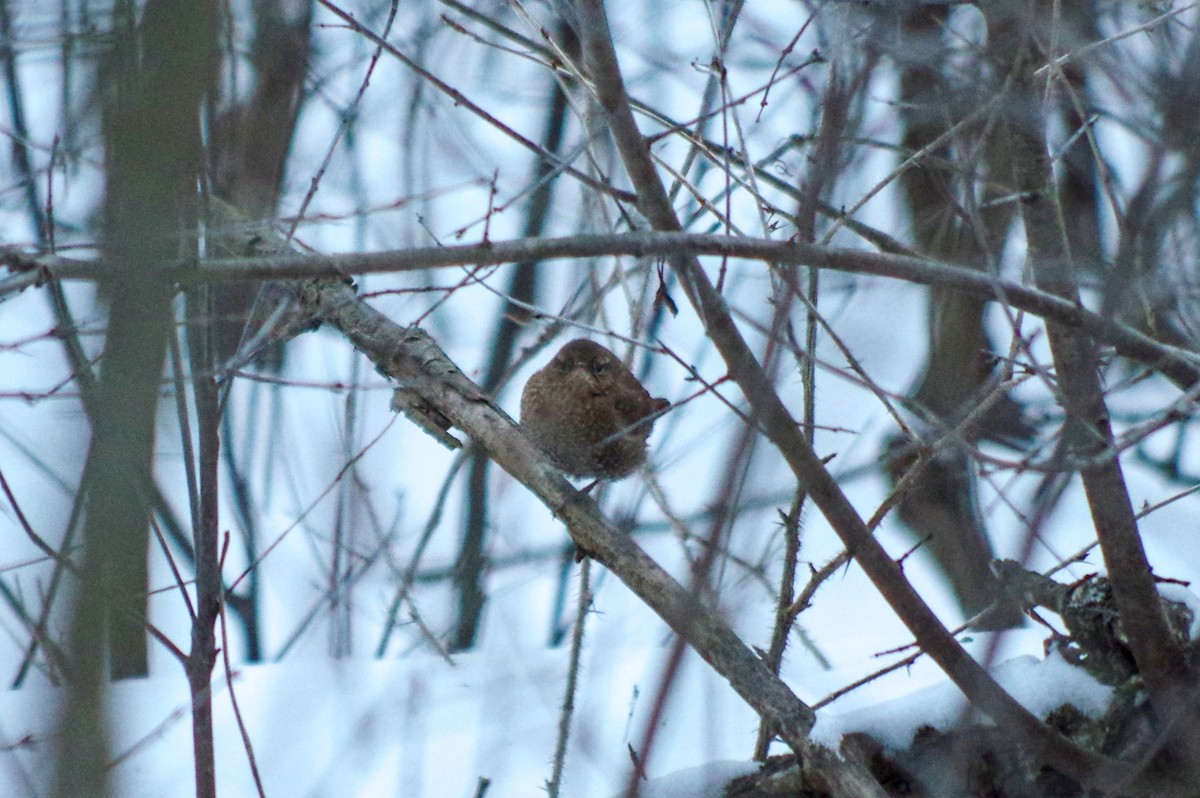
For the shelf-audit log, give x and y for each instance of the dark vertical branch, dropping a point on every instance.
(1080, 191)
(152, 84)
(1076, 363)
(248, 151)
(784, 618)
(205, 535)
(828, 155)
(940, 506)
(468, 575)
(16, 111)
(250, 144)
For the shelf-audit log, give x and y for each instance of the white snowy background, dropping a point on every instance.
(410, 722)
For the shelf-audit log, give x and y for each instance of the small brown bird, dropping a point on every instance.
(588, 412)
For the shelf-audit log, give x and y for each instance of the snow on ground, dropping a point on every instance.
(419, 727)
(1038, 685)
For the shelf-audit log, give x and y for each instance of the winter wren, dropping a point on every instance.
(583, 410)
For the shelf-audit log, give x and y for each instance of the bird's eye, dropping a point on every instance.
(599, 367)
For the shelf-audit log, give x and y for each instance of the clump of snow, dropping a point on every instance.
(706, 781)
(1181, 595)
(1039, 685)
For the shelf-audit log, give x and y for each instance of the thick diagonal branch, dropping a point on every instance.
(408, 355)
(778, 425)
(1159, 657)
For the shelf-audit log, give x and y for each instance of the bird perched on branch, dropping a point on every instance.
(588, 413)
